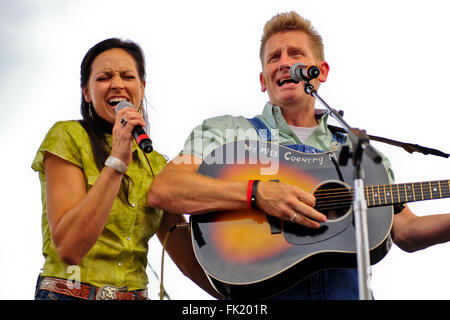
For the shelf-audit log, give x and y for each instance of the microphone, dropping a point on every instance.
(300, 71)
(139, 134)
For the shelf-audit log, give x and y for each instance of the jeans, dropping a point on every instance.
(330, 284)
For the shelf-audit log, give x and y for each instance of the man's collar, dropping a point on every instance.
(272, 112)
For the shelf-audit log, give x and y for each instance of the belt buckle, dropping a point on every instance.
(109, 292)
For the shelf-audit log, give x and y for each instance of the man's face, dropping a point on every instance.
(281, 51)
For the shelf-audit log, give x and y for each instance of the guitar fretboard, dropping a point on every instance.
(381, 195)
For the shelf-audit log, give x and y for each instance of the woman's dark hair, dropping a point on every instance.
(95, 126)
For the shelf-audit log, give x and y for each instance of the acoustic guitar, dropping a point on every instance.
(249, 254)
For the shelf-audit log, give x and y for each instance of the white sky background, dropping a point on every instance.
(389, 72)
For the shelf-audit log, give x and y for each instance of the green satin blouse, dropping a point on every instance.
(119, 257)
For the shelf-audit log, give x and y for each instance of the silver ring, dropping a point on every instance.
(292, 219)
(123, 122)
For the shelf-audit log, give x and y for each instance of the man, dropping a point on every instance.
(287, 39)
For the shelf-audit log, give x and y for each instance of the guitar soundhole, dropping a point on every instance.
(333, 199)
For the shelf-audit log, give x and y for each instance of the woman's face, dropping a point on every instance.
(114, 78)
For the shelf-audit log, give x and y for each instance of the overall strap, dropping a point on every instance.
(339, 136)
(261, 128)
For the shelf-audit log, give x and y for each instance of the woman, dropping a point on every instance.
(94, 180)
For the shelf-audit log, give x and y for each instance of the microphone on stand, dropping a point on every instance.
(302, 72)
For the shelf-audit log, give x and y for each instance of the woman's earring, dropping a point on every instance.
(141, 110)
(90, 111)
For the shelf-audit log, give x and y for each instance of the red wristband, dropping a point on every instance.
(252, 189)
(249, 193)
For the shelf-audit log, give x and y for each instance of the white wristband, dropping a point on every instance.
(116, 164)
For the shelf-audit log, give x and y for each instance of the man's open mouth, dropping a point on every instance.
(282, 82)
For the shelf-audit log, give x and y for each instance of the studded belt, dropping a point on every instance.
(83, 291)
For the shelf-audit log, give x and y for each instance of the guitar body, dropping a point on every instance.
(249, 254)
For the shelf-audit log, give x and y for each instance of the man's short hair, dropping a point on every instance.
(292, 21)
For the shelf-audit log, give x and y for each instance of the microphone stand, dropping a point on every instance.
(360, 143)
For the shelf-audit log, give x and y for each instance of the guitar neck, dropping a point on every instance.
(382, 195)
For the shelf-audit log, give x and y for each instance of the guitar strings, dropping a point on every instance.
(338, 198)
(345, 203)
(424, 187)
(381, 189)
(330, 199)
